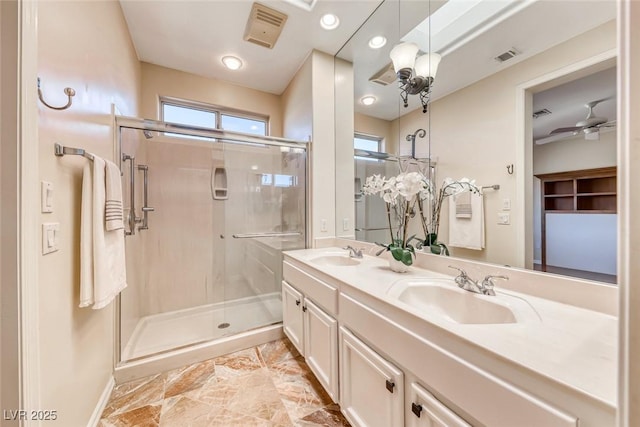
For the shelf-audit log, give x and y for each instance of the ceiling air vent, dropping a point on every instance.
(264, 25)
(385, 76)
(540, 113)
(507, 55)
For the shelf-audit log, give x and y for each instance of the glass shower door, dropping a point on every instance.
(265, 214)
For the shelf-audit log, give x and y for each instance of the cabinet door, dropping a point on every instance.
(371, 389)
(321, 346)
(292, 316)
(427, 411)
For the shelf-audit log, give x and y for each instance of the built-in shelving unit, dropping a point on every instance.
(583, 191)
(588, 191)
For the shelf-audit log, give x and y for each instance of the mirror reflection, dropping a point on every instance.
(522, 101)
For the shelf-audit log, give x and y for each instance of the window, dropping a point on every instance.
(210, 116)
(367, 142)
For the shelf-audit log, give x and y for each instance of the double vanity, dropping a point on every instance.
(415, 349)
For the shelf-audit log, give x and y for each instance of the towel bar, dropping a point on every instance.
(60, 150)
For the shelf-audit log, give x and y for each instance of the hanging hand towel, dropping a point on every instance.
(102, 261)
(467, 232)
(463, 205)
(113, 207)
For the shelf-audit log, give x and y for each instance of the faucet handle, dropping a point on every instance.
(488, 285)
(462, 272)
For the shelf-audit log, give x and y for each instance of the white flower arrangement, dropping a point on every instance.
(406, 194)
(401, 194)
(431, 227)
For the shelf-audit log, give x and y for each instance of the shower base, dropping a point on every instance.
(164, 332)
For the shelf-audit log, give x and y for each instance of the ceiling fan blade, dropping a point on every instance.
(610, 124)
(564, 130)
(556, 137)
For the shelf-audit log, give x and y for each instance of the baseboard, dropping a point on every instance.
(102, 403)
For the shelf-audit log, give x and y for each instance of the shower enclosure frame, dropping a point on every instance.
(218, 136)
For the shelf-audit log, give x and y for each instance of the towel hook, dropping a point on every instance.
(510, 169)
(67, 91)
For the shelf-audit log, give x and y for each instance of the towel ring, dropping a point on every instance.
(70, 92)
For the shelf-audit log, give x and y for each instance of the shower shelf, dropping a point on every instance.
(220, 184)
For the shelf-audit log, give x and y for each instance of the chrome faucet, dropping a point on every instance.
(465, 282)
(487, 284)
(485, 287)
(353, 252)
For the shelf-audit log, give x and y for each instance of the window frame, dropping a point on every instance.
(370, 137)
(218, 110)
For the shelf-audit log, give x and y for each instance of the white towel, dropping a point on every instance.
(467, 232)
(102, 261)
(463, 205)
(113, 206)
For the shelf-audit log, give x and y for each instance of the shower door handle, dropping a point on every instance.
(132, 219)
(145, 198)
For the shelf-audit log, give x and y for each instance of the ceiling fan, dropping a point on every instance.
(590, 126)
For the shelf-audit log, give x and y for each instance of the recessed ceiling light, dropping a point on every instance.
(329, 21)
(377, 42)
(231, 62)
(368, 100)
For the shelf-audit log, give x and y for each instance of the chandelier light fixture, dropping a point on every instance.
(416, 74)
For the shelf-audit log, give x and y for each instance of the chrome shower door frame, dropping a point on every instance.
(218, 136)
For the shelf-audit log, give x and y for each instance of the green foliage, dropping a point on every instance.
(404, 255)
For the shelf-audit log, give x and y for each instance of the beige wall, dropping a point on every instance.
(629, 223)
(9, 78)
(473, 132)
(345, 220)
(575, 154)
(377, 127)
(84, 45)
(309, 112)
(297, 106)
(160, 81)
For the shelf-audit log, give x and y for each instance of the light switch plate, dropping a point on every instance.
(46, 197)
(506, 204)
(504, 218)
(323, 225)
(50, 236)
(345, 224)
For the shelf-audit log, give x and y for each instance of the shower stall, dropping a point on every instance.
(371, 223)
(208, 215)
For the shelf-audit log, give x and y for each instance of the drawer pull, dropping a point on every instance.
(390, 385)
(297, 302)
(416, 409)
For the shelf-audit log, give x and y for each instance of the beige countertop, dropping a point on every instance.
(573, 346)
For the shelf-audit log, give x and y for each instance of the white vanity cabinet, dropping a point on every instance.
(371, 388)
(427, 411)
(293, 316)
(450, 382)
(309, 310)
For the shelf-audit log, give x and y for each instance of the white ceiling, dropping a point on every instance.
(193, 36)
(529, 26)
(567, 102)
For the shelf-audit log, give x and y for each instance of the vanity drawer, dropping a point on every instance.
(322, 293)
(485, 397)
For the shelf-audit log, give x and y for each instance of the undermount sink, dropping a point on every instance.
(443, 298)
(335, 260)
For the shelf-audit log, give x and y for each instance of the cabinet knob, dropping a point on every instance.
(304, 308)
(416, 409)
(297, 302)
(390, 385)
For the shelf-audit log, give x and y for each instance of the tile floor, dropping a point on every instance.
(267, 386)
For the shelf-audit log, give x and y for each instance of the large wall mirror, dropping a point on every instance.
(523, 102)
